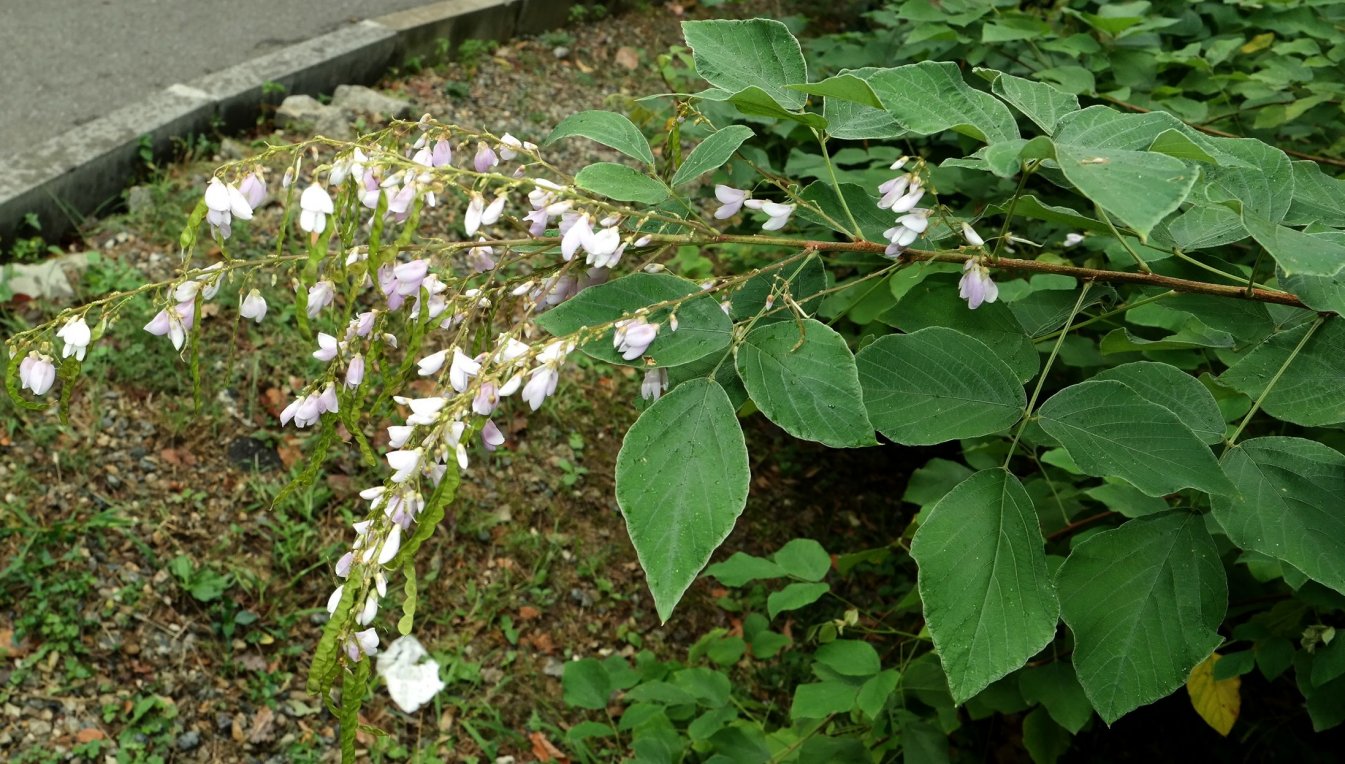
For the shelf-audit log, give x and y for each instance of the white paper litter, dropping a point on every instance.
(412, 676)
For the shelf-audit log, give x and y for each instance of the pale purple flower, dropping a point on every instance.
(730, 201)
(486, 399)
(253, 306)
(253, 189)
(369, 612)
(441, 153)
(491, 437)
(315, 205)
(976, 286)
(362, 325)
(574, 235)
(362, 643)
(542, 384)
(37, 373)
(328, 400)
(893, 190)
(77, 337)
(320, 295)
(344, 565)
(633, 337)
(485, 157)
(654, 385)
(355, 371)
(174, 322)
(481, 259)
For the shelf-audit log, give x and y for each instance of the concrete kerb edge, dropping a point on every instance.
(79, 172)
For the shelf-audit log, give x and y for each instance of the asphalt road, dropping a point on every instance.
(67, 62)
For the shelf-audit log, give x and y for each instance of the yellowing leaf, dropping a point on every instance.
(1217, 703)
(1257, 43)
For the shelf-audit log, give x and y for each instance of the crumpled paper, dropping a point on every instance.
(411, 675)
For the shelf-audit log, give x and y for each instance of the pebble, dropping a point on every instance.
(188, 741)
(560, 51)
(583, 598)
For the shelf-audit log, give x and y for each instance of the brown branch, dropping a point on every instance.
(1225, 134)
(1035, 266)
(1077, 524)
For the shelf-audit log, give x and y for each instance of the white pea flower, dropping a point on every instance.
(355, 371)
(633, 337)
(462, 370)
(777, 212)
(976, 286)
(77, 336)
(432, 363)
(253, 306)
(320, 295)
(362, 643)
(730, 201)
(406, 463)
(973, 238)
(315, 205)
(1073, 240)
(327, 347)
(655, 384)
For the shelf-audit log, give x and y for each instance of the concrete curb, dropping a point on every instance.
(79, 172)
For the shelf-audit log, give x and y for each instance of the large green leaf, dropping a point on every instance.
(1174, 390)
(1312, 390)
(1042, 103)
(853, 121)
(1290, 504)
(607, 128)
(1296, 252)
(1258, 176)
(934, 302)
(681, 482)
(1144, 602)
(761, 53)
(1318, 197)
(1112, 431)
(931, 97)
(617, 181)
(843, 87)
(1100, 151)
(712, 153)
(802, 376)
(702, 326)
(937, 385)
(988, 598)
(1056, 687)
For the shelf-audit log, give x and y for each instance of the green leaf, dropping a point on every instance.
(1112, 431)
(761, 53)
(742, 568)
(793, 597)
(822, 699)
(988, 599)
(1030, 206)
(1100, 151)
(1126, 499)
(1044, 740)
(585, 684)
(617, 181)
(1042, 103)
(681, 482)
(712, 153)
(873, 694)
(1174, 390)
(1297, 253)
(408, 618)
(1260, 177)
(1203, 226)
(851, 121)
(1144, 602)
(937, 385)
(1178, 144)
(702, 326)
(1288, 506)
(872, 221)
(1318, 197)
(1055, 686)
(849, 657)
(843, 87)
(931, 97)
(804, 559)
(1312, 391)
(803, 378)
(609, 129)
(353, 689)
(800, 281)
(934, 302)
(755, 102)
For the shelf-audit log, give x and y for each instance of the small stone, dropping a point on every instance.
(39, 728)
(306, 113)
(231, 149)
(554, 667)
(581, 597)
(139, 199)
(560, 51)
(223, 722)
(188, 741)
(359, 99)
